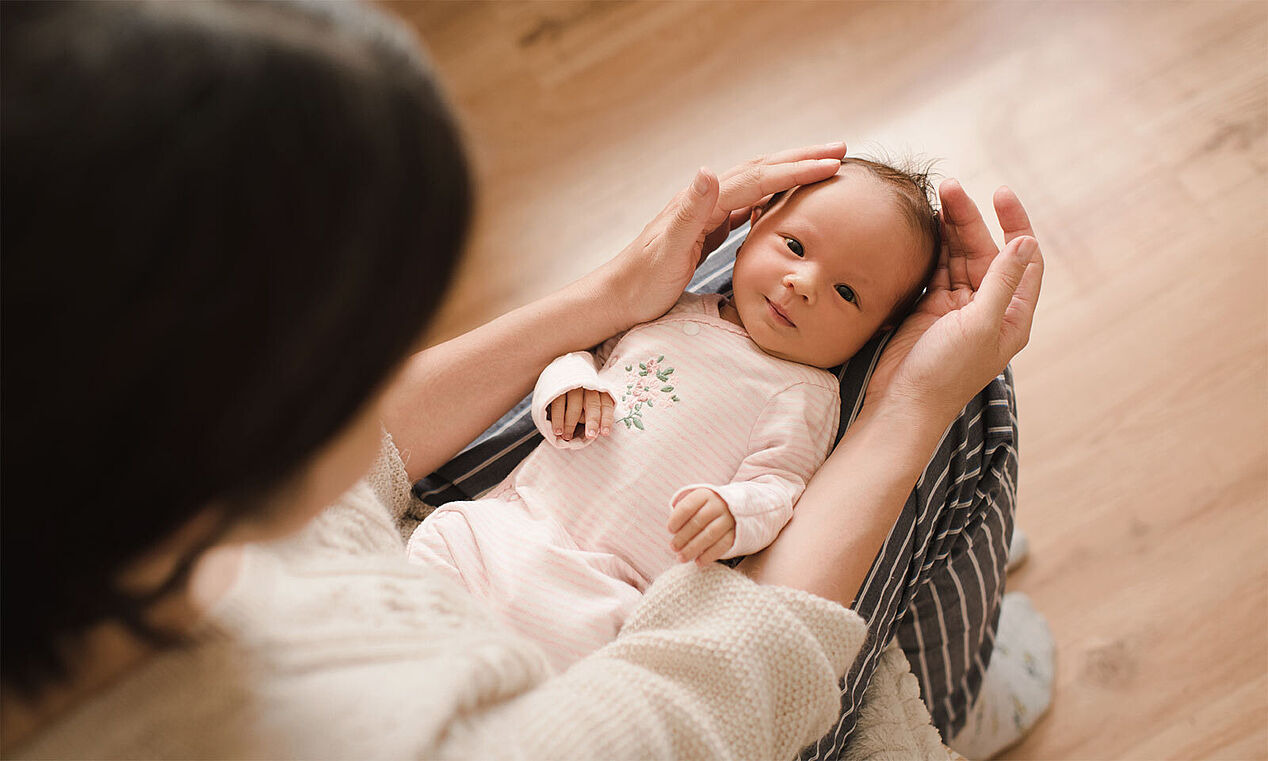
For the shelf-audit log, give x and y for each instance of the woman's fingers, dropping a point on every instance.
(1020, 314)
(572, 412)
(808, 153)
(722, 231)
(1012, 215)
(691, 213)
(833, 150)
(1004, 277)
(754, 182)
(593, 414)
(970, 247)
(941, 279)
(716, 238)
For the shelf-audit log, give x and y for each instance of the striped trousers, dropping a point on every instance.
(937, 582)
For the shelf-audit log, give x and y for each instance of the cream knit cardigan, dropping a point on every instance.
(331, 646)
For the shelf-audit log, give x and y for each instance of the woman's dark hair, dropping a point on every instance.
(224, 226)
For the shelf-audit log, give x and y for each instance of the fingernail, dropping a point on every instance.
(606, 430)
(559, 432)
(591, 433)
(835, 146)
(700, 184)
(825, 163)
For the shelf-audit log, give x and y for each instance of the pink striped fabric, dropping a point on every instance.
(573, 536)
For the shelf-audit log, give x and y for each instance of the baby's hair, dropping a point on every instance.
(912, 180)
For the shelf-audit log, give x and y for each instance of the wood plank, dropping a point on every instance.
(1137, 135)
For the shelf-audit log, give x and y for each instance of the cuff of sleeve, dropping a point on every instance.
(747, 539)
(571, 371)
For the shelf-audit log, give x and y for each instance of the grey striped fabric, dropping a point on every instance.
(938, 580)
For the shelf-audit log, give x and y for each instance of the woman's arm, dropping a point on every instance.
(974, 318)
(847, 509)
(447, 394)
(709, 666)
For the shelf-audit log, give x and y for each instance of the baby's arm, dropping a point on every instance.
(788, 443)
(569, 391)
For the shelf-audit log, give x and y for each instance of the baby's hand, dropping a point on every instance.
(703, 527)
(582, 411)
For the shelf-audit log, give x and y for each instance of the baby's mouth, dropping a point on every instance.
(779, 314)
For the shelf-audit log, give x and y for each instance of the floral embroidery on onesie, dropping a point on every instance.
(646, 385)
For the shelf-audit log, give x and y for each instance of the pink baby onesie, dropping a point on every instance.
(563, 548)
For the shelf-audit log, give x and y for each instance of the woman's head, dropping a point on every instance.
(224, 226)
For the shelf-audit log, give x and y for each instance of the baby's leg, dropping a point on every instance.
(445, 543)
(531, 573)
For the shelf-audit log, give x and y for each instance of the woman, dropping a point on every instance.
(224, 228)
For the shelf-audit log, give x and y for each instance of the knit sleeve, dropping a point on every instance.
(711, 665)
(788, 443)
(371, 518)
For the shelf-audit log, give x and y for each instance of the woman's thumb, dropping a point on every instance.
(1004, 275)
(693, 209)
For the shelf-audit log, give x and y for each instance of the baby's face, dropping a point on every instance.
(823, 268)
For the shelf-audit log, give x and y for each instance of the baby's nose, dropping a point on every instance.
(801, 284)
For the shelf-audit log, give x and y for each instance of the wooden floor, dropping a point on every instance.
(1136, 135)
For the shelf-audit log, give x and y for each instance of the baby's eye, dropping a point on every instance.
(795, 246)
(847, 293)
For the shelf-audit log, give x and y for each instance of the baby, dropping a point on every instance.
(708, 421)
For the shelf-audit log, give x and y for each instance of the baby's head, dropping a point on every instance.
(827, 265)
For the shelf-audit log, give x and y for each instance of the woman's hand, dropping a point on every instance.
(975, 317)
(649, 275)
(976, 314)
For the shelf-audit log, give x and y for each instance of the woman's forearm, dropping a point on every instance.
(447, 394)
(849, 506)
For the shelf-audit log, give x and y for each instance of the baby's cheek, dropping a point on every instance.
(837, 347)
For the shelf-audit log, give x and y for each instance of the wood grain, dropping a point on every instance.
(1136, 135)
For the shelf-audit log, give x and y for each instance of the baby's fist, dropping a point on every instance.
(703, 527)
(581, 411)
